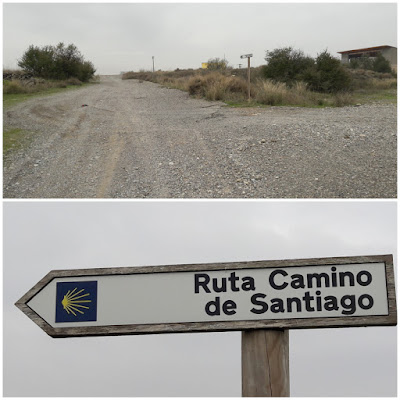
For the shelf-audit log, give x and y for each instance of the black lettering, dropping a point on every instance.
(248, 283)
(215, 285)
(307, 299)
(342, 275)
(364, 282)
(318, 299)
(229, 307)
(272, 277)
(256, 302)
(361, 302)
(292, 300)
(201, 283)
(348, 302)
(297, 281)
(277, 306)
(334, 277)
(232, 279)
(331, 303)
(318, 279)
(216, 305)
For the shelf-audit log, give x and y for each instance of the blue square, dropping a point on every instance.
(76, 301)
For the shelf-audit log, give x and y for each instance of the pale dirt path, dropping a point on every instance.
(139, 140)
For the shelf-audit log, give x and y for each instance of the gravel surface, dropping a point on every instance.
(140, 140)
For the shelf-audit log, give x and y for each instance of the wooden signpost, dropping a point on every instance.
(263, 299)
(248, 56)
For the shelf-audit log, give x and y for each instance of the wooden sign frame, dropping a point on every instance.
(217, 326)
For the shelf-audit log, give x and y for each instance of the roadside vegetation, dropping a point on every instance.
(16, 91)
(289, 78)
(45, 71)
(14, 139)
(56, 62)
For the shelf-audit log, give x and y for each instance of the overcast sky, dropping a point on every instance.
(124, 37)
(41, 236)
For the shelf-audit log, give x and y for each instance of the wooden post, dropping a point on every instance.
(265, 363)
(248, 78)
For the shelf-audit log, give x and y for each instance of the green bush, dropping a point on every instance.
(361, 63)
(56, 62)
(217, 64)
(381, 64)
(377, 64)
(330, 76)
(286, 65)
(324, 74)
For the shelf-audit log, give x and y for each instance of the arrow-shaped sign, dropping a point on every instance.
(307, 293)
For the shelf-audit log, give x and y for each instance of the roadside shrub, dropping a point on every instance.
(60, 84)
(216, 86)
(377, 64)
(343, 99)
(56, 62)
(196, 85)
(362, 79)
(381, 64)
(217, 64)
(271, 93)
(324, 74)
(13, 87)
(278, 93)
(286, 65)
(74, 81)
(38, 61)
(361, 63)
(328, 76)
(36, 85)
(231, 85)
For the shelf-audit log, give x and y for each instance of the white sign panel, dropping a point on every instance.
(152, 296)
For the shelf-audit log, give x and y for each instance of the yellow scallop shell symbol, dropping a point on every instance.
(72, 302)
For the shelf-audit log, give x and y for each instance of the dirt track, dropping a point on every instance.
(139, 140)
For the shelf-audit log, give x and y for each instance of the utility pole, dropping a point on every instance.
(248, 56)
(153, 62)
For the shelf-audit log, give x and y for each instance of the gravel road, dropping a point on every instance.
(140, 140)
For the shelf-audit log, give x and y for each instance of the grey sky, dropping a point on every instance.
(123, 37)
(40, 236)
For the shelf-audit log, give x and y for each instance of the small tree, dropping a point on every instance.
(217, 64)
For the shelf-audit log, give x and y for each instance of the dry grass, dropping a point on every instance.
(28, 87)
(231, 86)
(277, 93)
(216, 86)
(382, 84)
(363, 79)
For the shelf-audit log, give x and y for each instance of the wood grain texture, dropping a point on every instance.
(296, 323)
(265, 363)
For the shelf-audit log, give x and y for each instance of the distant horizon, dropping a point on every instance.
(230, 66)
